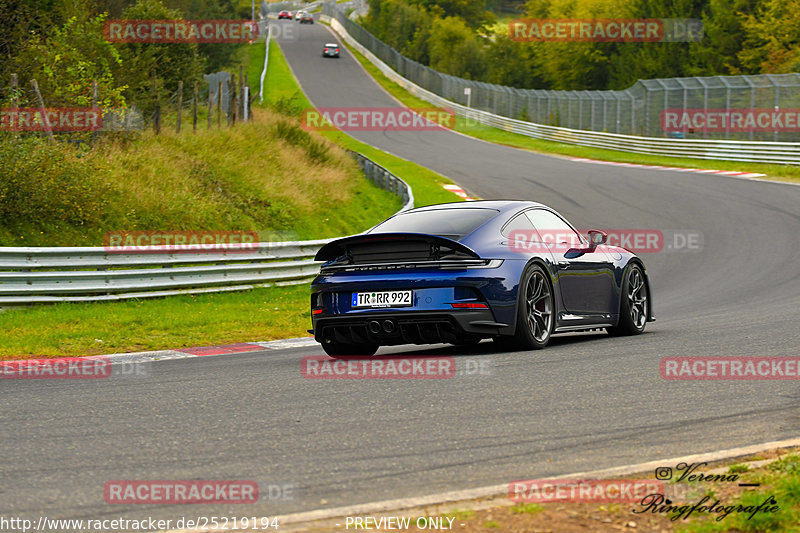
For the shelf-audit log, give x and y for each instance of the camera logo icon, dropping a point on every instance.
(663, 473)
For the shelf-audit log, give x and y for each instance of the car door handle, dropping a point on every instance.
(563, 264)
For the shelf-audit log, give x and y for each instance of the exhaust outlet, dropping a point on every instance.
(388, 326)
(374, 327)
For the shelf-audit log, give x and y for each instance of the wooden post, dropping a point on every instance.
(180, 106)
(219, 106)
(240, 108)
(210, 104)
(94, 105)
(194, 108)
(157, 113)
(43, 111)
(231, 101)
(246, 102)
(14, 101)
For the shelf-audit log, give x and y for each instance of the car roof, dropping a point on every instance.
(331, 44)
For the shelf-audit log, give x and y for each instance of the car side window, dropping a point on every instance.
(552, 227)
(520, 223)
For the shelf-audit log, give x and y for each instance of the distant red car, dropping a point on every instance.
(285, 15)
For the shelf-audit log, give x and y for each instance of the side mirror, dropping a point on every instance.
(597, 237)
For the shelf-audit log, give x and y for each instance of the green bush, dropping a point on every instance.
(46, 188)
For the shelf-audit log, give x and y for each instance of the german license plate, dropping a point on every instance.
(382, 299)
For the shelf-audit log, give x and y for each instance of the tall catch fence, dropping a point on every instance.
(762, 107)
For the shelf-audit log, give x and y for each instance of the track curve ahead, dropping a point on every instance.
(584, 403)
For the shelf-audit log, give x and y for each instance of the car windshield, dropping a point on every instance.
(451, 223)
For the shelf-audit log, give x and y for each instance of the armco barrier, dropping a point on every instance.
(747, 151)
(31, 275)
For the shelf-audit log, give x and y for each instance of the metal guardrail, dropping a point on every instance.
(729, 150)
(31, 275)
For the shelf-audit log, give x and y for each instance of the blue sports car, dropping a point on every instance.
(514, 271)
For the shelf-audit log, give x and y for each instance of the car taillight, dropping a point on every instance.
(469, 305)
(316, 311)
(337, 49)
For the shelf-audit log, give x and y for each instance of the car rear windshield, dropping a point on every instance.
(451, 223)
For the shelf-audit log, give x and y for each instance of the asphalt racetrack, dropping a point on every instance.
(586, 402)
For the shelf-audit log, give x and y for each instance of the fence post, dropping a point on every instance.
(231, 101)
(157, 112)
(219, 106)
(14, 100)
(241, 92)
(210, 104)
(194, 108)
(43, 111)
(94, 104)
(246, 100)
(180, 106)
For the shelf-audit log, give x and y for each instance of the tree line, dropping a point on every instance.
(60, 44)
(467, 38)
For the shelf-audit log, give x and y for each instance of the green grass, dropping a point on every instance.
(781, 480)
(487, 133)
(139, 325)
(461, 514)
(282, 92)
(526, 508)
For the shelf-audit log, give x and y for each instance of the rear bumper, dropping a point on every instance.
(407, 327)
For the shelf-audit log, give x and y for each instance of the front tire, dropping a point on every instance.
(340, 350)
(535, 311)
(634, 306)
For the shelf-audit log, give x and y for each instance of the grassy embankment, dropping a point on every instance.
(214, 180)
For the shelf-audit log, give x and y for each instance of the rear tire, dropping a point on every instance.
(535, 311)
(634, 305)
(339, 350)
